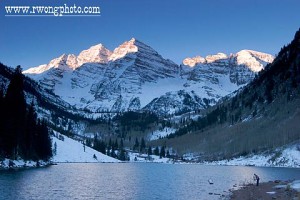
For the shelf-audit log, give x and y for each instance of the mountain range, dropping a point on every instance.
(214, 107)
(260, 117)
(136, 77)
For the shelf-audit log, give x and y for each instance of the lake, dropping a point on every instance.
(131, 181)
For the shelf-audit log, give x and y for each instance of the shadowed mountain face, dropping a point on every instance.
(134, 76)
(262, 116)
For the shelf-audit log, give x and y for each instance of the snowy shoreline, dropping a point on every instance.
(276, 189)
(8, 164)
(72, 151)
(20, 164)
(288, 157)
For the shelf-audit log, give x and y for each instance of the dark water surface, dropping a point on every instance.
(131, 181)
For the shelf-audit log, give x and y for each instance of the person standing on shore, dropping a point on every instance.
(256, 178)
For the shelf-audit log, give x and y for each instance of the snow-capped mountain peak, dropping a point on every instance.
(95, 54)
(124, 49)
(134, 75)
(216, 57)
(191, 62)
(253, 59)
(240, 67)
(128, 47)
(65, 61)
(37, 70)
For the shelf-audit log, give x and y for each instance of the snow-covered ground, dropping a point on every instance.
(69, 150)
(296, 185)
(161, 133)
(137, 157)
(6, 164)
(287, 157)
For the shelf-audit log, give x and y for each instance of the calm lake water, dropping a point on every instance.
(131, 181)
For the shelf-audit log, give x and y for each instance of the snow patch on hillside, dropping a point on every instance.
(161, 133)
(288, 157)
(69, 150)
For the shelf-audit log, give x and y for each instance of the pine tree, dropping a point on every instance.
(21, 134)
(55, 149)
(162, 152)
(43, 142)
(122, 155)
(26, 150)
(121, 144)
(268, 90)
(116, 145)
(14, 111)
(136, 144)
(149, 151)
(99, 146)
(108, 151)
(143, 145)
(103, 147)
(156, 151)
(110, 143)
(112, 153)
(2, 117)
(168, 153)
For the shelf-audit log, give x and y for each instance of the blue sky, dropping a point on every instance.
(175, 28)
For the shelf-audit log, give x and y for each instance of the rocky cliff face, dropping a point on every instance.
(241, 66)
(131, 66)
(134, 76)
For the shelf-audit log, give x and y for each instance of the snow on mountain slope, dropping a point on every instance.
(205, 80)
(177, 102)
(190, 94)
(108, 86)
(135, 76)
(161, 133)
(126, 78)
(69, 150)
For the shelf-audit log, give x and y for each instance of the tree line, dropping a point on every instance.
(115, 148)
(22, 135)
